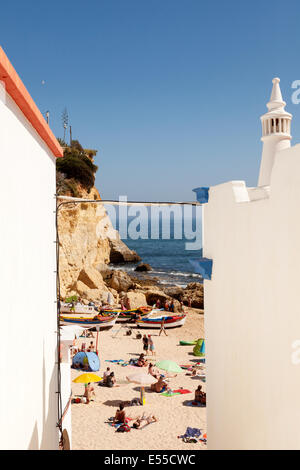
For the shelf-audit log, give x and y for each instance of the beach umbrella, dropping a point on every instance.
(142, 379)
(87, 378)
(169, 366)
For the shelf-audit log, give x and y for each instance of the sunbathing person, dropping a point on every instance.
(148, 419)
(110, 380)
(120, 417)
(142, 362)
(105, 375)
(200, 396)
(152, 371)
(159, 386)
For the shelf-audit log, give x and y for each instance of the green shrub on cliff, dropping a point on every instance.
(75, 168)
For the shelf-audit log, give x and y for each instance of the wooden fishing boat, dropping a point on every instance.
(129, 315)
(171, 321)
(90, 321)
(76, 308)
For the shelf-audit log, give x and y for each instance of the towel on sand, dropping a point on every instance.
(192, 432)
(169, 394)
(117, 361)
(194, 403)
(182, 391)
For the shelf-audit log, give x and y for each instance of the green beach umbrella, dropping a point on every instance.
(169, 366)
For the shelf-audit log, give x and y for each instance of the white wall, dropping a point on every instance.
(28, 403)
(252, 311)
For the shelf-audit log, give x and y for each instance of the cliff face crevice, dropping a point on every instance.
(88, 242)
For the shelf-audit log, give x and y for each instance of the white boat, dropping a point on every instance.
(77, 308)
(171, 321)
(91, 321)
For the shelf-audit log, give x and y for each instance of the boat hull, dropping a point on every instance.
(170, 322)
(89, 322)
(128, 315)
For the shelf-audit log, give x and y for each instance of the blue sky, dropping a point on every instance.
(169, 91)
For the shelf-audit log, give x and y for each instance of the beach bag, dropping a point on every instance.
(123, 428)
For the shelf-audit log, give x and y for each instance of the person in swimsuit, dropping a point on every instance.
(162, 327)
(145, 344)
(148, 419)
(159, 386)
(152, 371)
(151, 345)
(141, 362)
(88, 391)
(120, 417)
(106, 374)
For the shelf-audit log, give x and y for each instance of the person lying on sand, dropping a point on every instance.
(159, 386)
(142, 362)
(120, 417)
(148, 419)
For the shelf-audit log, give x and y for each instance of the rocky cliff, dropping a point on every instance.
(88, 242)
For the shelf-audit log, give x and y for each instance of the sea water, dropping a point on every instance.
(169, 258)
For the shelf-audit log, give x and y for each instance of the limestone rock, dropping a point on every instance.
(91, 294)
(136, 299)
(104, 270)
(152, 294)
(143, 267)
(120, 253)
(91, 278)
(193, 293)
(120, 281)
(87, 242)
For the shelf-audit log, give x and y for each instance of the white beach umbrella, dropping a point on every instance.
(142, 379)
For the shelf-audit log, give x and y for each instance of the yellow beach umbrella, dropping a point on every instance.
(87, 378)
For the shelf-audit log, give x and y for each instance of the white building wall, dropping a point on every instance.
(252, 311)
(28, 402)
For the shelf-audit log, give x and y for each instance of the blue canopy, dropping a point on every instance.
(90, 358)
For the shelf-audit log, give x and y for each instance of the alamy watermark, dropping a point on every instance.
(295, 98)
(176, 221)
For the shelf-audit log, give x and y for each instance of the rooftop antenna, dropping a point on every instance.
(65, 121)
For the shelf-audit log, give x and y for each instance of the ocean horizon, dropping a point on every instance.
(168, 257)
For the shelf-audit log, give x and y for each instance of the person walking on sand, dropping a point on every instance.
(162, 327)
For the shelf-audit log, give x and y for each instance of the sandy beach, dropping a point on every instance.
(89, 428)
